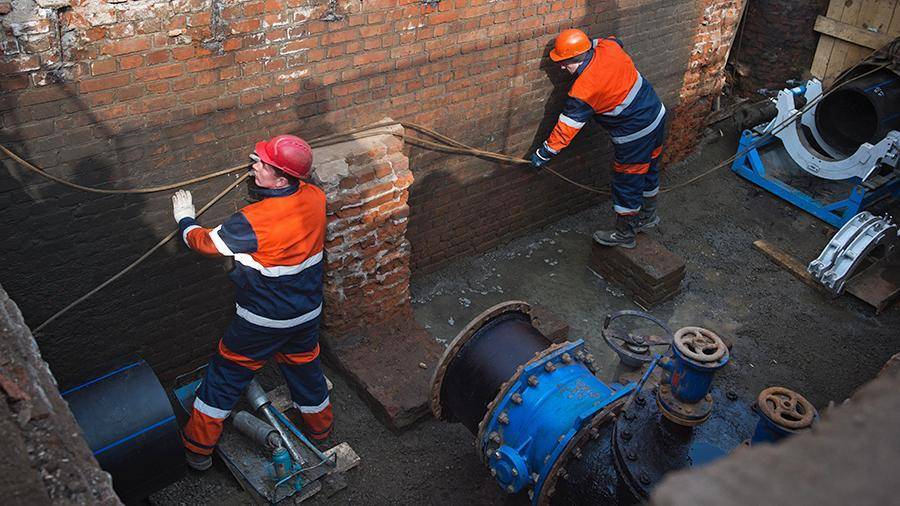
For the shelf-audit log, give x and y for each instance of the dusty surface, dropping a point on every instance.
(784, 333)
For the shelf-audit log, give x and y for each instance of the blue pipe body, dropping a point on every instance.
(540, 413)
(691, 380)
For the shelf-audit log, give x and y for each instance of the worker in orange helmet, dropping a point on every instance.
(609, 88)
(277, 245)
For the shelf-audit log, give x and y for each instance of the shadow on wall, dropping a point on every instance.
(60, 243)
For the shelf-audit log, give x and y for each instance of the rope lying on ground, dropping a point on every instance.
(447, 145)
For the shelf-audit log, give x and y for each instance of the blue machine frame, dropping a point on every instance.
(749, 165)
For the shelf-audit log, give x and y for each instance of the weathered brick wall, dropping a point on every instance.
(132, 93)
(43, 458)
(777, 42)
(367, 272)
(704, 78)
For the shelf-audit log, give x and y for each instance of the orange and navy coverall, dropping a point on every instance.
(609, 88)
(277, 244)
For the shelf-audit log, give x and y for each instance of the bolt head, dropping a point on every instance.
(517, 398)
(589, 358)
(549, 367)
(503, 418)
(497, 455)
(531, 494)
(495, 437)
(566, 358)
(510, 489)
(535, 477)
(644, 479)
(515, 472)
(533, 380)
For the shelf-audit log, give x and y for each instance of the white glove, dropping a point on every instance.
(183, 205)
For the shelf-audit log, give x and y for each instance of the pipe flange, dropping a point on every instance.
(573, 448)
(682, 413)
(501, 394)
(437, 379)
(699, 344)
(786, 408)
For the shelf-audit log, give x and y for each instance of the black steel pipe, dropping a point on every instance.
(487, 360)
(864, 110)
(128, 422)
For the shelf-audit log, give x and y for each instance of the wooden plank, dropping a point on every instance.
(878, 285)
(874, 17)
(787, 262)
(850, 33)
(826, 43)
(837, 63)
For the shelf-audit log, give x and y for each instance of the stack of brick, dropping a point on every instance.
(650, 274)
(366, 182)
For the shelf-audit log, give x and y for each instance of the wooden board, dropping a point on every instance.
(878, 285)
(787, 262)
(850, 31)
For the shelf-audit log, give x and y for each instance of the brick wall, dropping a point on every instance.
(777, 42)
(43, 458)
(123, 93)
(367, 271)
(704, 78)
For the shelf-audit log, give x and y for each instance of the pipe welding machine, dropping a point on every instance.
(840, 155)
(545, 425)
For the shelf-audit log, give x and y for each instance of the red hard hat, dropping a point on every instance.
(287, 152)
(570, 43)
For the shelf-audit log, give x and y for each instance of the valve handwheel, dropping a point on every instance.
(634, 349)
(786, 408)
(697, 343)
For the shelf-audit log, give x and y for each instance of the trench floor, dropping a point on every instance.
(783, 332)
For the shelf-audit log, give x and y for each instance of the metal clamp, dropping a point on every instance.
(849, 246)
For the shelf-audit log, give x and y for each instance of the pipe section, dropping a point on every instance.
(128, 423)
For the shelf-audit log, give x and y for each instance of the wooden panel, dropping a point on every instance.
(826, 43)
(850, 31)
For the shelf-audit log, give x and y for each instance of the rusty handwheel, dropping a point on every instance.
(786, 408)
(699, 344)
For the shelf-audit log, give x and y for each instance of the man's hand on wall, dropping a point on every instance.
(183, 205)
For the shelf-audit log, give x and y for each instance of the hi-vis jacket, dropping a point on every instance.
(611, 90)
(277, 245)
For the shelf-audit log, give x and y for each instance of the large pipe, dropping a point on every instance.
(863, 110)
(128, 423)
(533, 405)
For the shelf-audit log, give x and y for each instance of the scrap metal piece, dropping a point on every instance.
(860, 164)
(849, 246)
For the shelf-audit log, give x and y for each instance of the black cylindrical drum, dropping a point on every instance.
(128, 422)
(486, 361)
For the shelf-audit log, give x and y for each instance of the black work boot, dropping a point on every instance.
(647, 218)
(196, 461)
(622, 236)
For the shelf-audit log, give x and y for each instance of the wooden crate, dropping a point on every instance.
(850, 31)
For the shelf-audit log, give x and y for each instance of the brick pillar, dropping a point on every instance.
(369, 332)
(367, 272)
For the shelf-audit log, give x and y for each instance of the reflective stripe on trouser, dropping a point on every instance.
(245, 348)
(636, 171)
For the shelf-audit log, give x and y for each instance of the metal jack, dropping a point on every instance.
(260, 402)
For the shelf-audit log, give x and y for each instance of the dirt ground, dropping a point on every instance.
(783, 332)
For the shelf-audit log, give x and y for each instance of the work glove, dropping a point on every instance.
(540, 157)
(183, 205)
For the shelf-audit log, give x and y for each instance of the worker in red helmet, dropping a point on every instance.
(609, 89)
(277, 245)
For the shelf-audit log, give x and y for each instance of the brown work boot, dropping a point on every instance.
(622, 236)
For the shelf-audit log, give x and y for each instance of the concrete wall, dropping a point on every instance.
(123, 93)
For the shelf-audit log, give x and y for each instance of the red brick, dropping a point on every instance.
(104, 83)
(126, 46)
(159, 72)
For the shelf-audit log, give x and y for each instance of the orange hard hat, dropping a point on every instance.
(287, 152)
(570, 43)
